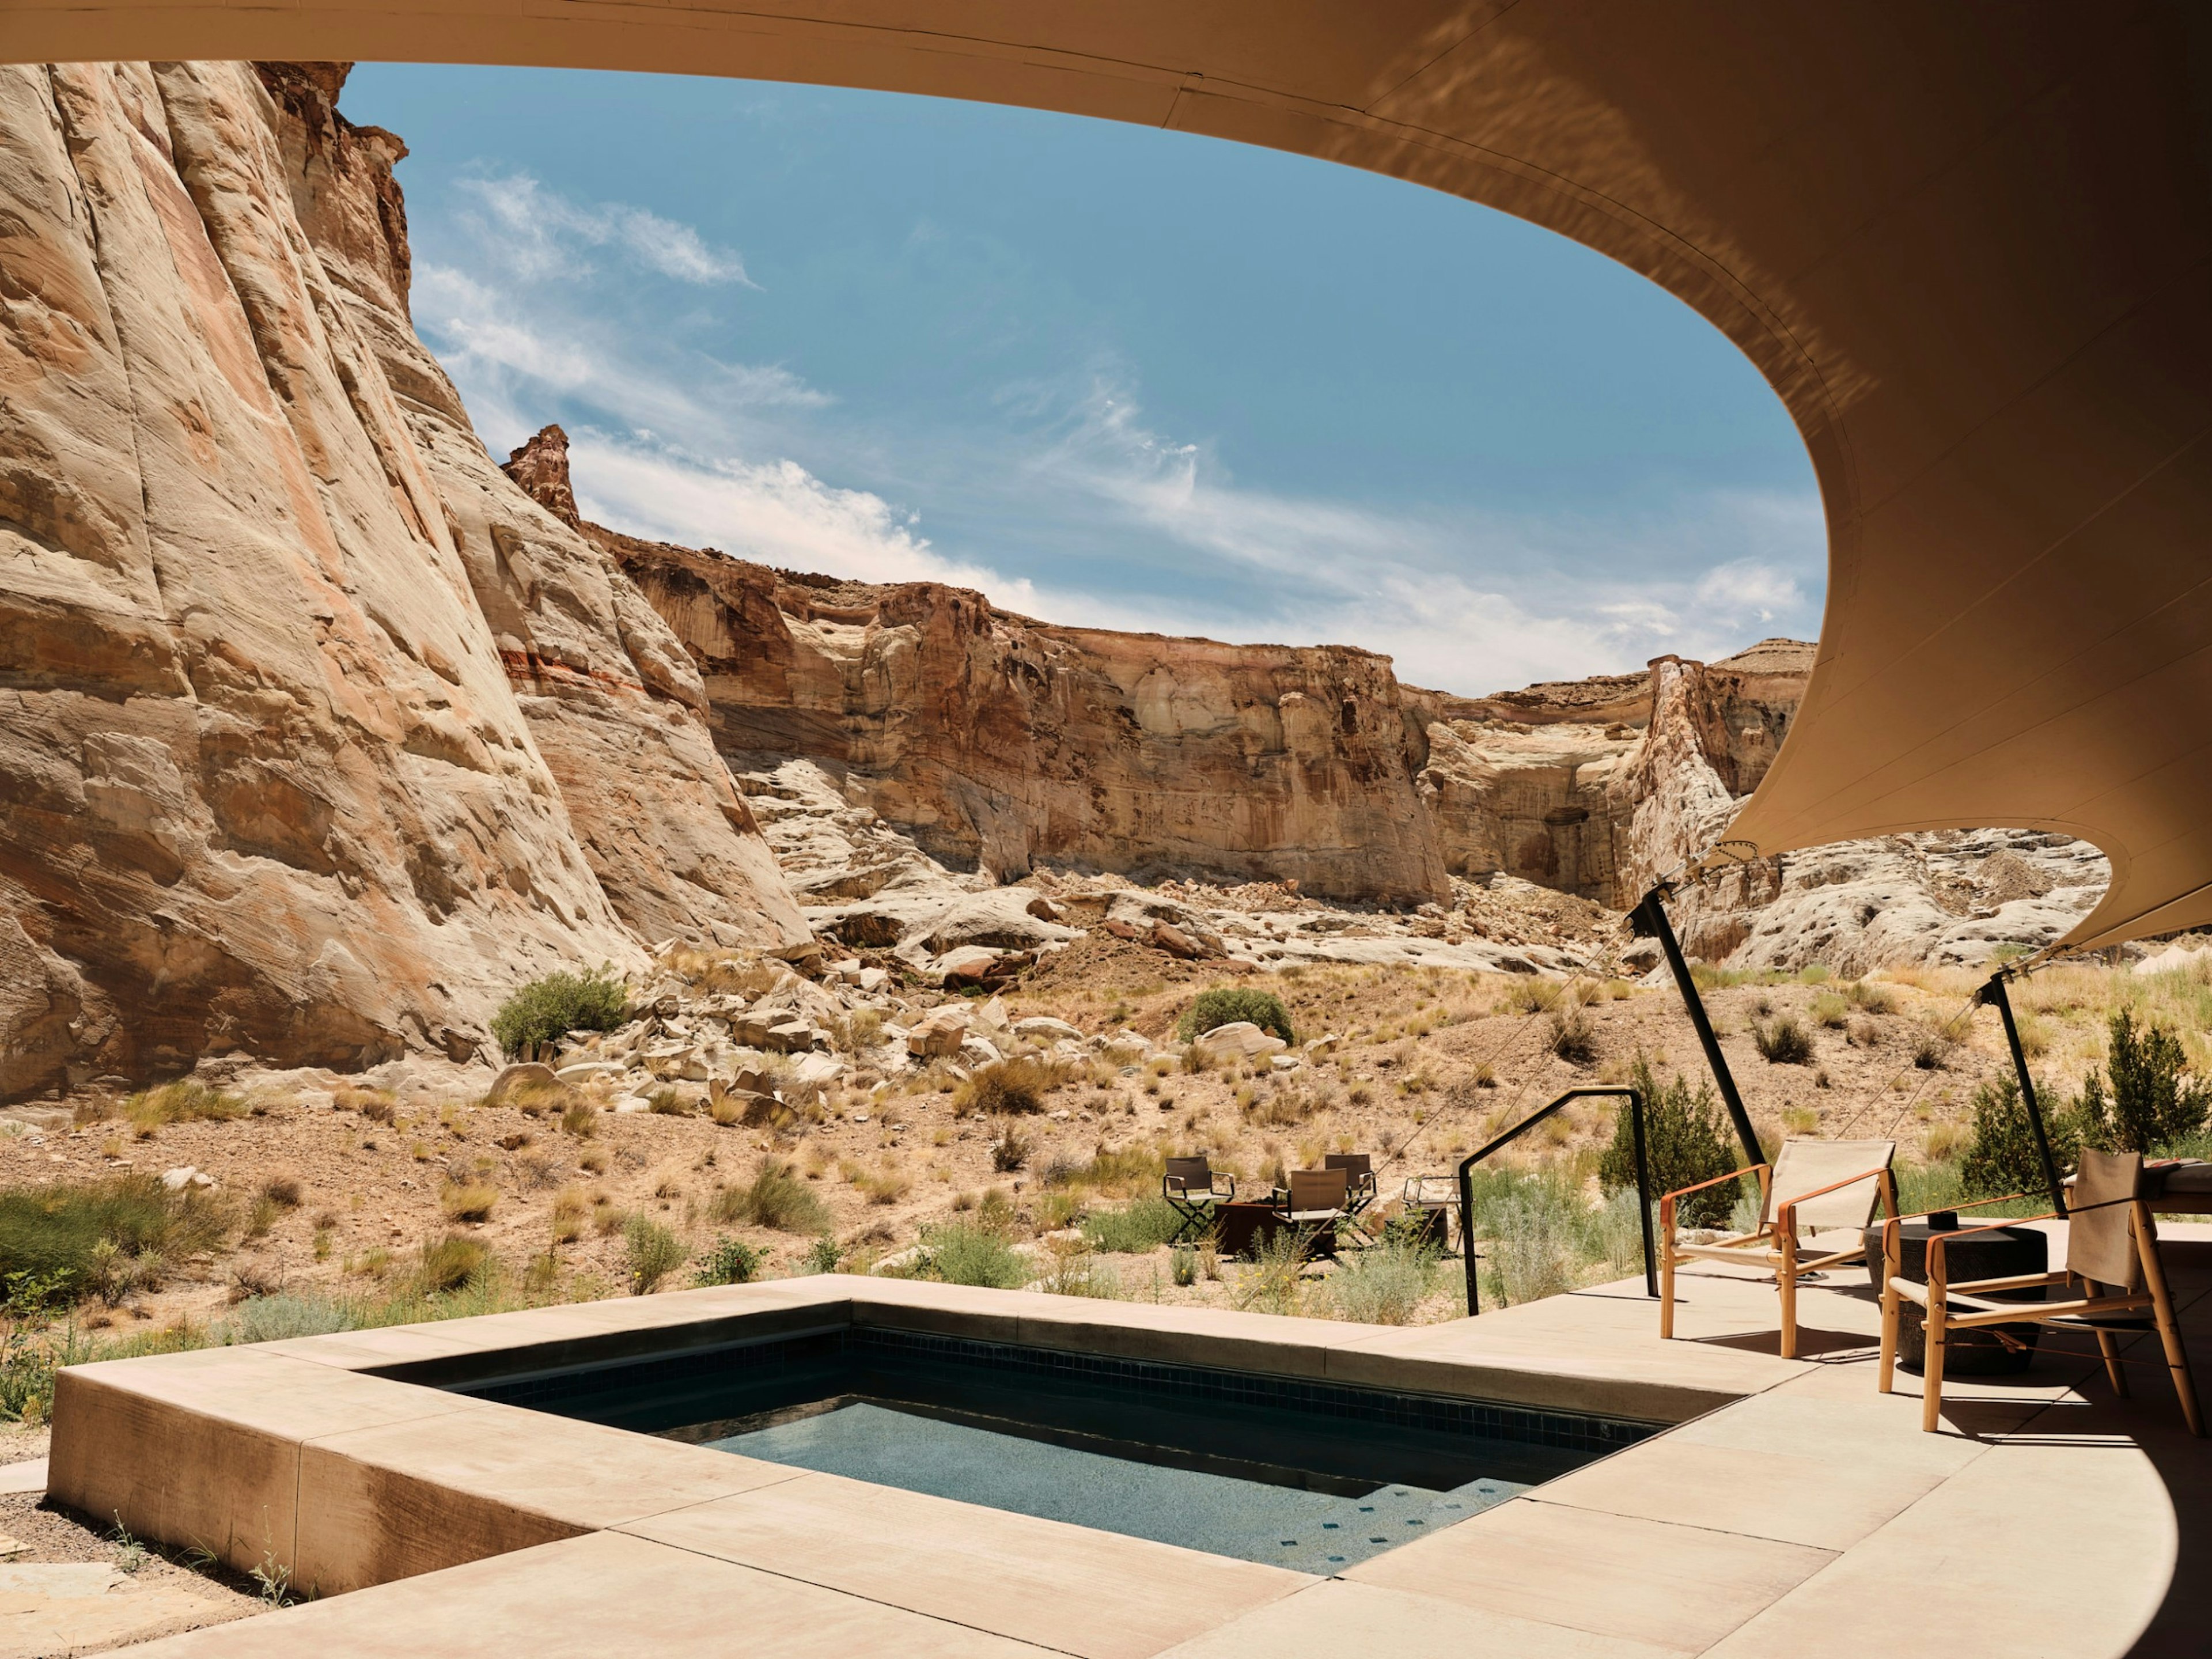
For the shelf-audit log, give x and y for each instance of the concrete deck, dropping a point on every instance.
(1792, 1509)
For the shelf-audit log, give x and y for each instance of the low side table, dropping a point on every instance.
(2002, 1253)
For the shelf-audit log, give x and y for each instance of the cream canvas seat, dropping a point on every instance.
(1815, 1187)
(2112, 1266)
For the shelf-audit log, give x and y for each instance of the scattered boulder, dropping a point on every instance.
(1239, 1040)
(527, 1073)
(971, 965)
(185, 1176)
(939, 1033)
(1043, 1025)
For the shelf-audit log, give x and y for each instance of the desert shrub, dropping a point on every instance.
(965, 1252)
(1275, 1282)
(885, 1186)
(857, 1032)
(2001, 1156)
(1009, 1149)
(1532, 996)
(467, 1200)
(1072, 1269)
(1110, 1169)
(1143, 1226)
(580, 1118)
(1572, 1039)
(285, 1316)
(1685, 1143)
(1182, 1265)
(823, 1256)
(450, 1264)
(651, 1251)
(1832, 1010)
(1931, 1049)
(181, 1103)
(2144, 1100)
(667, 1103)
(1385, 1285)
(731, 1262)
(1005, 1088)
(548, 1008)
(775, 1197)
(52, 1236)
(282, 1188)
(1870, 998)
(569, 1214)
(1226, 1005)
(1784, 1042)
(1536, 1237)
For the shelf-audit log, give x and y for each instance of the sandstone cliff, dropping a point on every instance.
(315, 733)
(998, 743)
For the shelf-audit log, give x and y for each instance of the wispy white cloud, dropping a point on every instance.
(1119, 524)
(775, 512)
(543, 230)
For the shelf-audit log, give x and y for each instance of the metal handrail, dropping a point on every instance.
(1643, 1183)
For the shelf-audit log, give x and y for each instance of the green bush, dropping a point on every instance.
(2001, 1159)
(653, 1253)
(2144, 1101)
(549, 1008)
(731, 1262)
(1142, 1227)
(65, 1240)
(1226, 1005)
(775, 1197)
(1685, 1142)
(965, 1253)
(822, 1255)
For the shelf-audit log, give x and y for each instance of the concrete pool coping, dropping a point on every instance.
(1792, 1507)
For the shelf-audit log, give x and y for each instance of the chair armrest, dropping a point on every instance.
(1214, 1185)
(1938, 1243)
(1733, 1175)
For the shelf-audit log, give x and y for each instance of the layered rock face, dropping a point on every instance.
(315, 734)
(998, 743)
(1594, 786)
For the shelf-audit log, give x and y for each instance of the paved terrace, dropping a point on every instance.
(1791, 1510)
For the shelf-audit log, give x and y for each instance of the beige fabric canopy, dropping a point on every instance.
(1967, 244)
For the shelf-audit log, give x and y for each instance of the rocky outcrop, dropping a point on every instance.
(310, 747)
(1593, 786)
(998, 743)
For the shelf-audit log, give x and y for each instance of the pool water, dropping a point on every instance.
(1292, 1471)
(1284, 1526)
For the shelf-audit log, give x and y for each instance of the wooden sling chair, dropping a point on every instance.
(1815, 1187)
(2111, 1243)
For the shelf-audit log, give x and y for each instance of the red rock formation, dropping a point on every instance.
(997, 741)
(273, 780)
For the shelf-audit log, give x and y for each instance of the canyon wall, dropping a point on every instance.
(997, 742)
(315, 734)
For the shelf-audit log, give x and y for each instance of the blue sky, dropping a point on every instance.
(1109, 375)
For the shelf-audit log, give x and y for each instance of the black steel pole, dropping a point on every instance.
(1466, 1234)
(1654, 912)
(1643, 1196)
(1995, 996)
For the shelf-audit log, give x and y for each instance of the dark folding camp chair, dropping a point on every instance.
(1314, 1206)
(1430, 1201)
(1359, 1179)
(1193, 1190)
